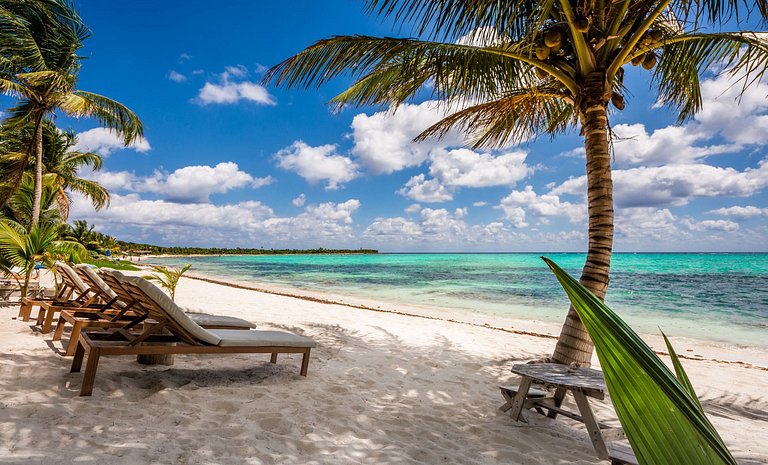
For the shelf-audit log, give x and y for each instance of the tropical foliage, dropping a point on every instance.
(168, 277)
(508, 71)
(660, 413)
(24, 250)
(39, 65)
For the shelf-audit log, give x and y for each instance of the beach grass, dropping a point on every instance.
(114, 264)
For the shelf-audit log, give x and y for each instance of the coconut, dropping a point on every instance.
(582, 24)
(617, 101)
(542, 52)
(656, 35)
(649, 61)
(646, 40)
(637, 60)
(552, 38)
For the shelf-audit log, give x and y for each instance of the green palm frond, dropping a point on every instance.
(108, 112)
(519, 115)
(658, 411)
(167, 277)
(95, 192)
(683, 59)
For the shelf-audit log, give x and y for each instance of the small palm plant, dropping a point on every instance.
(167, 277)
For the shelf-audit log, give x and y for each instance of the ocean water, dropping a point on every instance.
(719, 297)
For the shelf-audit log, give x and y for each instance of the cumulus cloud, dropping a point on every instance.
(676, 184)
(711, 225)
(645, 223)
(517, 203)
(383, 142)
(195, 184)
(316, 164)
(739, 212)
(420, 189)
(232, 88)
(190, 184)
(466, 168)
(105, 141)
(246, 223)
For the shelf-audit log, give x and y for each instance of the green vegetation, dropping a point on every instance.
(508, 71)
(168, 277)
(114, 264)
(39, 67)
(660, 413)
(39, 44)
(132, 248)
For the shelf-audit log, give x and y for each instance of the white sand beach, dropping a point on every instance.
(382, 388)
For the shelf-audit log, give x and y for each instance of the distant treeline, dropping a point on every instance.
(132, 248)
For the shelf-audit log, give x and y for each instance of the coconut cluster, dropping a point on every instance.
(649, 39)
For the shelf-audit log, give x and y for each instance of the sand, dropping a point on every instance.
(382, 388)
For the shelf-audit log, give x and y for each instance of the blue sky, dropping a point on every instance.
(227, 162)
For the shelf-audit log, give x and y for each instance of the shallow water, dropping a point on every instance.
(720, 297)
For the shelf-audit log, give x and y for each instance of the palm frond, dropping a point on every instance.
(108, 112)
(684, 58)
(517, 116)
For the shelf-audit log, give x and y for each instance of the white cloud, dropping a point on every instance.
(540, 205)
(645, 223)
(422, 190)
(676, 184)
(480, 204)
(231, 88)
(195, 184)
(711, 225)
(383, 142)
(105, 141)
(175, 76)
(466, 168)
(739, 212)
(315, 164)
(248, 223)
(672, 144)
(190, 184)
(299, 201)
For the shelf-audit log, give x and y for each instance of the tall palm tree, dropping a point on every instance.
(39, 65)
(522, 68)
(20, 206)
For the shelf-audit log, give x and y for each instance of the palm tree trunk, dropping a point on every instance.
(574, 344)
(36, 201)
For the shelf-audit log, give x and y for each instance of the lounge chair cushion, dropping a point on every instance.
(206, 319)
(173, 310)
(64, 268)
(242, 338)
(96, 279)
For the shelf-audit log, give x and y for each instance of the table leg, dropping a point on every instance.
(519, 401)
(591, 423)
(559, 397)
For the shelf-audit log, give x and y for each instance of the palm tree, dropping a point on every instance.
(63, 164)
(168, 277)
(40, 245)
(523, 68)
(20, 206)
(39, 65)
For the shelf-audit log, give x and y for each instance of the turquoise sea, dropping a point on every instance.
(720, 297)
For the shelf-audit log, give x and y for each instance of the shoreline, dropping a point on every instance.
(329, 300)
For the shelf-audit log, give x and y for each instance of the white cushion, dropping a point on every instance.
(245, 338)
(72, 276)
(173, 310)
(206, 319)
(96, 279)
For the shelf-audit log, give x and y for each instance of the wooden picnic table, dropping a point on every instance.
(582, 383)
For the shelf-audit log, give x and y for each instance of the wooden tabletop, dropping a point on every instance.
(563, 375)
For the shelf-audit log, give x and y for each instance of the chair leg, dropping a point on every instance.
(90, 371)
(74, 337)
(59, 329)
(48, 321)
(273, 359)
(77, 362)
(305, 363)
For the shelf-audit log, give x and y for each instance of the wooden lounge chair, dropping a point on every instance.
(114, 289)
(180, 334)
